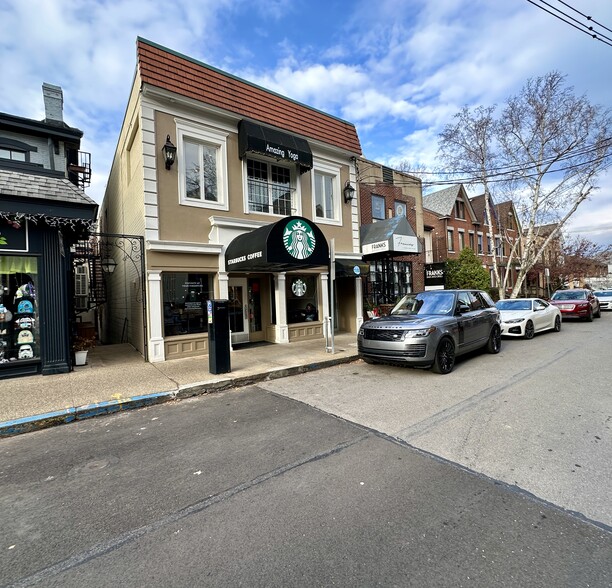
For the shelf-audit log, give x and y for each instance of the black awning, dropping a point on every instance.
(291, 243)
(255, 138)
(393, 236)
(351, 268)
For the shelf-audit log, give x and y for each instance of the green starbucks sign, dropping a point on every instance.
(299, 239)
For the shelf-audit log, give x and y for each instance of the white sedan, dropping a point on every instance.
(524, 317)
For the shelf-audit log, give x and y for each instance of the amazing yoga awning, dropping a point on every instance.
(393, 236)
(255, 138)
(288, 244)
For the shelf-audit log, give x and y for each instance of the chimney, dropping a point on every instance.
(54, 103)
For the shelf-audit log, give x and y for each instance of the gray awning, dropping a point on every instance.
(255, 138)
(393, 236)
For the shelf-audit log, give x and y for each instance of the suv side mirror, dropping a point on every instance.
(461, 308)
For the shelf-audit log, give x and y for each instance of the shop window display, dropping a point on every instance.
(185, 297)
(302, 299)
(19, 320)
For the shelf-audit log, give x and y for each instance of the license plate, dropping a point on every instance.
(567, 306)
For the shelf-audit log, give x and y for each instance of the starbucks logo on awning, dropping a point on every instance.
(299, 239)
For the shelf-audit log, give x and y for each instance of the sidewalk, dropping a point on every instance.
(117, 378)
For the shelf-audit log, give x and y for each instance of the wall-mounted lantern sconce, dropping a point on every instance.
(169, 151)
(349, 192)
(108, 265)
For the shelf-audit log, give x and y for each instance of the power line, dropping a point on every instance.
(585, 16)
(586, 29)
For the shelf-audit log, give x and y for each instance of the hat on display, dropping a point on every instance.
(26, 352)
(24, 307)
(25, 337)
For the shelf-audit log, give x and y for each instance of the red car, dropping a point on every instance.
(578, 303)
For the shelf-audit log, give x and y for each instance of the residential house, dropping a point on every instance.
(43, 211)
(546, 274)
(239, 194)
(502, 239)
(450, 225)
(454, 221)
(391, 205)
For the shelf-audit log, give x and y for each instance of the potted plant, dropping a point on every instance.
(81, 345)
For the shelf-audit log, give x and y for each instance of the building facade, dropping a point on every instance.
(391, 205)
(43, 211)
(454, 221)
(240, 194)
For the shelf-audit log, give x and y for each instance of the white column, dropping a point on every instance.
(223, 285)
(359, 302)
(326, 294)
(156, 318)
(280, 297)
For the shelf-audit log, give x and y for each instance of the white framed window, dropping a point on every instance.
(327, 193)
(461, 240)
(480, 247)
(202, 155)
(81, 287)
(270, 188)
(450, 240)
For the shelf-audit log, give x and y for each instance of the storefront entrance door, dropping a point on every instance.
(238, 310)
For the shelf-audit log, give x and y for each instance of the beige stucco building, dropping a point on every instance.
(250, 211)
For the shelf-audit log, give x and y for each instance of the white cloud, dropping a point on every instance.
(398, 70)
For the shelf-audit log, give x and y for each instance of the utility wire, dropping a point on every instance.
(589, 30)
(585, 16)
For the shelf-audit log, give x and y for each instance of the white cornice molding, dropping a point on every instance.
(227, 222)
(184, 247)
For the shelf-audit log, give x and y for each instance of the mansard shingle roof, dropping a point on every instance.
(163, 68)
(41, 187)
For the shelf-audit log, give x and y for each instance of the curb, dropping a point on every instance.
(86, 411)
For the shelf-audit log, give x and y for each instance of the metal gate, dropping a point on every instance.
(109, 272)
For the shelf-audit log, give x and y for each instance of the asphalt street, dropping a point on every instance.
(251, 487)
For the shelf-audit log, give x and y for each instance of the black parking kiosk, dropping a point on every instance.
(218, 337)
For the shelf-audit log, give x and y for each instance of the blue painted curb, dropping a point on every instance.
(39, 421)
(42, 421)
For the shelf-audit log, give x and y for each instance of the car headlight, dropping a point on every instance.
(361, 332)
(410, 333)
(512, 321)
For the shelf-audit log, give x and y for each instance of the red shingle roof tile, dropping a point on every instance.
(177, 73)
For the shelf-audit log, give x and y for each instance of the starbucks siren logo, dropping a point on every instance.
(299, 239)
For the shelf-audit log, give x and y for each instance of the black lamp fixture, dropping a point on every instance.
(169, 151)
(349, 192)
(108, 265)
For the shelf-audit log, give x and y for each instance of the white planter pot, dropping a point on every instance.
(80, 357)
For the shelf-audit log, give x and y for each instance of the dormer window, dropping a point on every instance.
(12, 154)
(15, 150)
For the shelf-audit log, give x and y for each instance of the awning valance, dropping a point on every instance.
(255, 138)
(289, 244)
(351, 268)
(392, 236)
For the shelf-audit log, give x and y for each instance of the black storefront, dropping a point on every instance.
(36, 295)
(289, 245)
(386, 246)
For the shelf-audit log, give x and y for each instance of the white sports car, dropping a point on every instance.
(524, 317)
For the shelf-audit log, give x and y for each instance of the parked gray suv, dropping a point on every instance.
(431, 328)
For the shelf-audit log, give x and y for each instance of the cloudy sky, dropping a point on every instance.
(398, 69)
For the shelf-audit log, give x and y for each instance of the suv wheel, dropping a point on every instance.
(445, 357)
(494, 342)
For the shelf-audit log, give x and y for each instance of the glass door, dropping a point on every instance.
(238, 310)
